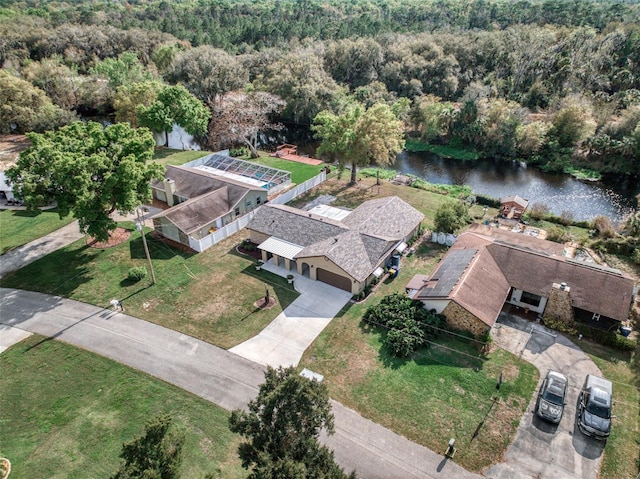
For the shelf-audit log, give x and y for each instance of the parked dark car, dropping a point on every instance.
(551, 398)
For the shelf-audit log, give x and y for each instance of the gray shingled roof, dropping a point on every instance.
(356, 244)
(389, 217)
(192, 182)
(294, 225)
(198, 212)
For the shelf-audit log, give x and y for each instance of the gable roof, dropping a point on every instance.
(531, 265)
(356, 243)
(515, 199)
(208, 197)
(594, 289)
(390, 217)
(195, 213)
(193, 182)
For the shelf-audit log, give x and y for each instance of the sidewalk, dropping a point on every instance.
(36, 249)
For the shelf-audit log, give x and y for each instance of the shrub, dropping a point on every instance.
(608, 338)
(603, 226)
(137, 273)
(560, 325)
(488, 201)
(636, 256)
(558, 234)
(538, 211)
(409, 325)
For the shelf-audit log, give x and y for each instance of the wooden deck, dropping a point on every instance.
(290, 152)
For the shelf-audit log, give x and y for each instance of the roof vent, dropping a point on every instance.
(563, 286)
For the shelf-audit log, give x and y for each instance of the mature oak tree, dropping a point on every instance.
(359, 135)
(89, 171)
(175, 104)
(239, 117)
(282, 426)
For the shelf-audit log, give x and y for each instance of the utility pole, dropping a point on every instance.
(140, 227)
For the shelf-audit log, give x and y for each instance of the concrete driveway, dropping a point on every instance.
(541, 449)
(285, 340)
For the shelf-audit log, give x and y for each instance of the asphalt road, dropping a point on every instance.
(214, 374)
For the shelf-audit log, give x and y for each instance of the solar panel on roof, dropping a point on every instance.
(449, 272)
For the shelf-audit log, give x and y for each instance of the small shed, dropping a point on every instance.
(513, 207)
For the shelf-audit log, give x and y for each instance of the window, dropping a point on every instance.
(596, 317)
(237, 211)
(258, 200)
(249, 203)
(530, 298)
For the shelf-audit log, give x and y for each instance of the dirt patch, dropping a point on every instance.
(10, 148)
(262, 304)
(119, 236)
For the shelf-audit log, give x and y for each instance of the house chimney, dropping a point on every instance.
(559, 305)
(169, 189)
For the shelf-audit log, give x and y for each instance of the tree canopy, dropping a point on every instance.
(359, 135)
(239, 117)
(282, 426)
(450, 217)
(174, 104)
(154, 455)
(89, 171)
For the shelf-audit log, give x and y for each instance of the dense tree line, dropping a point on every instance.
(555, 83)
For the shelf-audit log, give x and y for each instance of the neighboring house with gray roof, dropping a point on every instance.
(195, 202)
(347, 253)
(486, 268)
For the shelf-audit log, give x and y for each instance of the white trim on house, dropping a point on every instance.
(280, 248)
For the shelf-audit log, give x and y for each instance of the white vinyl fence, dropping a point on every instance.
(235, 226)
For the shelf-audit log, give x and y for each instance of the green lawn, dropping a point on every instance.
(169, 156)
(441, 392)
(66, 413)
(300, 172)
(209, 295)
(18, 227)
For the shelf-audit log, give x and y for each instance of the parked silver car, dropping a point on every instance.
(551, 398)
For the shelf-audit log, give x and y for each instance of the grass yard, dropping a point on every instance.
(19, 227)
(169, 156)
(209, 295)
(66, 413)
(442, 392)
(622, 453)
(300, 172)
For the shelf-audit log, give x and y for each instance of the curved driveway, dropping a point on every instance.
(541, 450)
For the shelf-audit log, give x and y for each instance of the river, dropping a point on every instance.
(560, 192)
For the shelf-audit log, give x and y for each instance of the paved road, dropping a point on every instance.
(540, 449)
(217, 375)
(286, 338)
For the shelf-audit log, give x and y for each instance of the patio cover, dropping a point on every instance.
(281, 248)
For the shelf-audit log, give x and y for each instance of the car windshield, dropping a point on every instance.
(599, 411)
(549, 396)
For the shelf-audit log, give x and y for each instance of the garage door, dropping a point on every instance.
(333, 279)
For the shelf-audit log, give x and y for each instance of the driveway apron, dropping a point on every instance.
(285, 339)
(540, 449)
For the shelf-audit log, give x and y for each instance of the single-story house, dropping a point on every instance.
(487, 267)
(196, 202)
(346, 249)
(513, 207)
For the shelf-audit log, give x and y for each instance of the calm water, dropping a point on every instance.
(498, 179)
